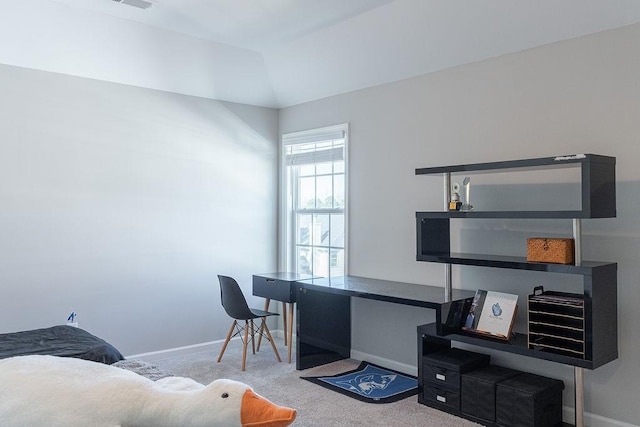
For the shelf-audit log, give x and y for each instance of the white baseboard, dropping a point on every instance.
(593, 420)
(279, 333)
(173, 352)
(189, 349)
(387, 363)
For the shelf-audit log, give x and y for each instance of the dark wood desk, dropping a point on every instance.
(280, 287)
(324, 312)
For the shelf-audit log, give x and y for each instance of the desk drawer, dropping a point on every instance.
(280, 290)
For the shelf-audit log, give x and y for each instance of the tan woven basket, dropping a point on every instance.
(552, 250)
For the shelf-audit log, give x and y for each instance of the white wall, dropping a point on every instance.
(123, 204)
(52, 36)
(578, 96)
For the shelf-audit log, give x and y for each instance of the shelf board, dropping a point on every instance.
(586, 268)
(568, 214)
(539, 163)
(517, 345)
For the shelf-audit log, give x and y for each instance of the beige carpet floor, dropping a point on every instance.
(316, 405)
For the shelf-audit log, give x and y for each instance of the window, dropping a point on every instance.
(315, 201)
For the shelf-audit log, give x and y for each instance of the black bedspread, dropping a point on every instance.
(65, 341)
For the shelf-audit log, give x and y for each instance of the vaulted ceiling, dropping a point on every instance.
(278, 53)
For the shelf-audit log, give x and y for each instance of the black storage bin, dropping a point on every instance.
(529, 400)
(478, 390)
(441, 370)
(444, 396)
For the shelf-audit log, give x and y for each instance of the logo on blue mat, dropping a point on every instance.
(366, 383)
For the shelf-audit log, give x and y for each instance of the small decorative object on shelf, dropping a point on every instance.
(455, 203)
(556, 250)
(492, 314)
(467, 206)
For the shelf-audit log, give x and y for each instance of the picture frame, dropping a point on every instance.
(492, 314)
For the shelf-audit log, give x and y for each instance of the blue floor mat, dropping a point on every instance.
(370, 383)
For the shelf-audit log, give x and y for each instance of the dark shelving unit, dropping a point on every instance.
(599, 279)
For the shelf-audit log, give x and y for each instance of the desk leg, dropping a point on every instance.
(284, 321)
(290, 342)
(267, 301)
(323, 328)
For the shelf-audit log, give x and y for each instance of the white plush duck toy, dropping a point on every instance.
(60, 391)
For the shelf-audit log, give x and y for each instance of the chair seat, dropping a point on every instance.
(261, 313)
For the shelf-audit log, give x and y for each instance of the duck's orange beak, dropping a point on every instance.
(258, 411)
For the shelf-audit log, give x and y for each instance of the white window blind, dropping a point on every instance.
(304, 148)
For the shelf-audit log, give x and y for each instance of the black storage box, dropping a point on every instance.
(449, 398)
(444, 367)
(441, 374)
(529, 400)
(478, 390)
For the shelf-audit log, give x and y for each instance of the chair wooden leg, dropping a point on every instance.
(253, 336)
(260, 335)
(226, 341)
(270, 338)
(267, 301)
(284, 321)
(244, 347)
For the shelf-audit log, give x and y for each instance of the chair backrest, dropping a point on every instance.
(233, 299)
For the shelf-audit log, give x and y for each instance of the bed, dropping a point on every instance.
(63, 340)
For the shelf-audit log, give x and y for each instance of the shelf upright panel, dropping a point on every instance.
(601, 301)
(599, 187)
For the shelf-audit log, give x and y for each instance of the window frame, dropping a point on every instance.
(287, 213)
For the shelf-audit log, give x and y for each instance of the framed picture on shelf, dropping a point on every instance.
(492, 314)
